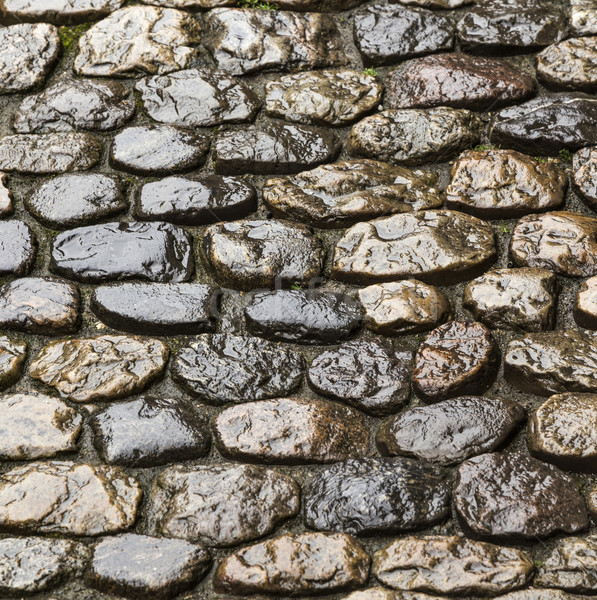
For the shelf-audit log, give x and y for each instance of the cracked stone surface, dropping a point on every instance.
(60, 12)
(12, 360)
(583, 18)
(585, 305)
(584, 178)
(18, 248)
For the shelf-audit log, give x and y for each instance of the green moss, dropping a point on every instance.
(538, 563)
(504, 228)
(540, 159)
(565, 155)
(372, 72)
(296, 286)
(69, 35)
(483, 147)
(258, 4)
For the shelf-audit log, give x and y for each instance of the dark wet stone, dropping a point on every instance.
(561, 431)
(18, 248)
(157, 252)
(583, 17)
(139, 566)
(197, 200)
(514, 498)
(563, 242)
(519, 299)
(138, 39)
(585, 304)
(221, 505)
(440, 246)
(63, 12)
(258, 254)
(158, 150)
(40, 305)
(455, 358)
(101, 368)
(436, 4)
(149, 432)
(245, 41)
(295, 563)
(76, 199)
(75, 104)
(569, 65)
(368, 374)
(27, 55)
(386, 34)
(6, 207)
(584, 177)
(502, 184)
(274, 148)
(12, 360)
(450, 431)
(511, 26)
(451, 565)
(403, 307)
(400, 494)
(36, 426)
(50, 153)
(306, 317)
(198, 98)
(221, 368)
(414, 136)
(157, 308)
(291, 431)
(34, 564)
(350, 191)
(547, 124)
(61, 497)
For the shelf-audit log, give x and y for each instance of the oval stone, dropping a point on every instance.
(584, 176)
(12, 360)
(585, 304)
(6, 204)
(18, 248)
(63, 12)
(583, 17)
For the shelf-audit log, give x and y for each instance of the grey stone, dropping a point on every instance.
(585, 304)
(12, 360)
(436, 4)
(569, 65)
(583, 17)
(379, 593)
(18, 248)
(584, 176)
(6, 207)
(60, 12)
(191, 4)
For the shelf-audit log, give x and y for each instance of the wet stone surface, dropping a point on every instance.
(585, 304)
(436, 4)
(18, 248)
(12, 359)
(583, 17)
(584, 178)
(56, 11)
(570, 65)
(6, 205)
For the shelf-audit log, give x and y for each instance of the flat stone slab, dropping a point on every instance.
(138, 39)
(583, 17)
(451, 431)
(432, 134)
(569, 65)
(148, 432)
(439, 246)
(222, 368)
(436, 4)
(139, 566)
(67, 498)
(346, 192)
(101, 368)
(246, 41)
(290, 431)
(221, 505)
(513, 497)
(60, 12)
(460, 81)
(584, 175)
(12, 360)
(303, 563)
(157, 252)
(18, 248)
(379, 593)
(585, 304)
(198, 98)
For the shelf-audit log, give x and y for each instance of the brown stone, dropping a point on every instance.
(583, 17)
(12, 360)
(380, 593)
(584, 175)
(569, 65)
(585, 304)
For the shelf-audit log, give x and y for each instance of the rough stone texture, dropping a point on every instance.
(436, 4)
(552, 362)
(18, 248)
(547, 124)
(451, 565)
(27, 54)
(539, 594)
(158, 150)
(292, 431)
(157, 252)
(451, 431)
(304, 563)
(368, 374)
(439, 246)
(156, 308)
(585, 304)
(198, 98)
(583, 17)
(584, 176)
(191, 4)
(386, 34)
(76, 199)
(138, 39)
(501, 184)
(75, 104)
(101, 368)
(50, 153)
(521, 299)
(221, 368)
(379, 593)
(346, 192)
(246, 41)
(40, 305)
(149, 432)
(6, 206)
(403, 307)
(459, 81)
(252, 254)
(61, 497)
(514, 497)
(12, 360)
(414, 136)
(274, 148)
(36, 426)
(307, 317)
(400, 494)
(62, 12)
(139, 566)
(221, 505)
(199, 200)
